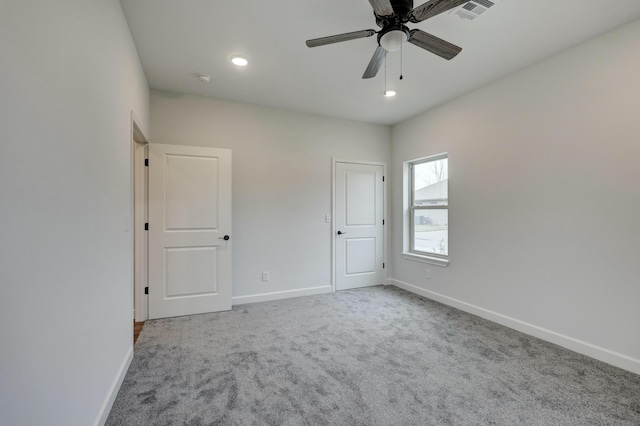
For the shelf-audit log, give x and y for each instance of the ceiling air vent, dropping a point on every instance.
(473, 9)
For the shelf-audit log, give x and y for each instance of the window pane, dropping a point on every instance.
(431, 231)
(430, 183)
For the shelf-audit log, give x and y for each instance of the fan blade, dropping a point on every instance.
(382, 7)
(340, 37)
(434, 44)
(433, 8)
(375, 63)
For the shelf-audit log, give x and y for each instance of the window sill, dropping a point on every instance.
(426, 259)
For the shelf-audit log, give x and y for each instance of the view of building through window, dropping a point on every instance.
(430, 206)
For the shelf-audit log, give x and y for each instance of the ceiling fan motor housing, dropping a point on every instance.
(394, 32)
(401, 10)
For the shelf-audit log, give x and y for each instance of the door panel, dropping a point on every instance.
(197, 265)
(189, 215)
(360, 255)
(192, 192)
(359, 201)
(360, 197)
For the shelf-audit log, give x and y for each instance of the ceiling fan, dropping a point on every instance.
(391, 15)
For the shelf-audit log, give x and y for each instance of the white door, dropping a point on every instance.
(189, 230)
(359, 238)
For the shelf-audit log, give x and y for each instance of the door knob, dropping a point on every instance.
(226, 238)
(340, 232)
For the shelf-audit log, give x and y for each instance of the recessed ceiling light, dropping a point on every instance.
(239, 60)
(389, 93)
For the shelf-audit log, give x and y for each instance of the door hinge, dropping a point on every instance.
(146, 226)
(146, 290)
(383, 221)
(146, 162)
(382, 265)
(383, 178)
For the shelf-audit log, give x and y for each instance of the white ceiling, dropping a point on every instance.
(177, 39)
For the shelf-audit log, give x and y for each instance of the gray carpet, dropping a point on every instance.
(374, 356)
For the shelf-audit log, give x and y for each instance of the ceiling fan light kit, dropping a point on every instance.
(393, 39)
(390, 16)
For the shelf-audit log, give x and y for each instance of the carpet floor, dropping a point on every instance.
(372, 356)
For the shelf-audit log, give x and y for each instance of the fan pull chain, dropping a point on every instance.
(385, 74)
(401, 61)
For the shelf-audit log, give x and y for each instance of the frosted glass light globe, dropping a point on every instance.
(393, 40)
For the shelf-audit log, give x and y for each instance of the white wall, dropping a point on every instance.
(69, 77)
(281, 184)
(544, 196)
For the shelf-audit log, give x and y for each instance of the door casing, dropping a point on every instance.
(139, 213)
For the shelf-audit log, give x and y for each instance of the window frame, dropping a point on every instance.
(410, 251)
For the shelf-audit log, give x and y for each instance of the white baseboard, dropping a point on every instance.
(605, 355)
(265, 297)
(115, 387)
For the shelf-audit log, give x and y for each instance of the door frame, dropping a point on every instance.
(139, 213)
(385, 231)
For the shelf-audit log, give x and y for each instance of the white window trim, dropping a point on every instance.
(407, 204)
(425, 259)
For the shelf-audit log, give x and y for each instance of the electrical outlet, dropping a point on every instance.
(265, 276)
(428, 274)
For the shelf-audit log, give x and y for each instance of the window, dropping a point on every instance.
(429, 207)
